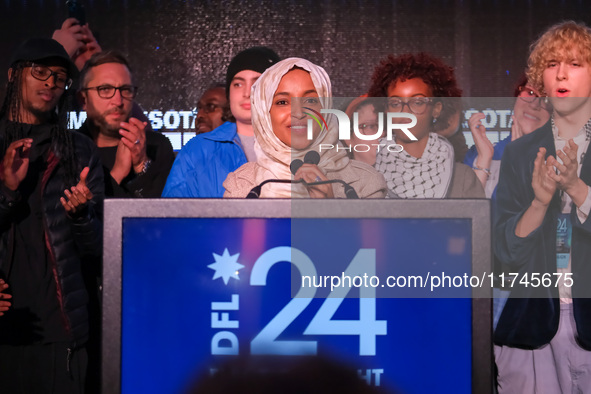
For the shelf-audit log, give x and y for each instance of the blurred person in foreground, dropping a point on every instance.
(274, 374)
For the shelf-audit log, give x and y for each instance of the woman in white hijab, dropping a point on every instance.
(283, 99)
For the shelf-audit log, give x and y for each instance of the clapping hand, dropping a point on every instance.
(543, 183)
(565, 174)
(484, 147)
(16, 163)
(4, 305)
(131, 150)
(77, 196)
(133, 136)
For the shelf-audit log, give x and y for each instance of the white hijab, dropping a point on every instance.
(273, 156)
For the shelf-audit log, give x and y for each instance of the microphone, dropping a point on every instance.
(312, 157)
(255, 192)
(295, 166)
(349, 191)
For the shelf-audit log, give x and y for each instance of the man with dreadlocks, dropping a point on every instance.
(51, 191)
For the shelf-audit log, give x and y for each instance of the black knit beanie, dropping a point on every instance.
(256, 59)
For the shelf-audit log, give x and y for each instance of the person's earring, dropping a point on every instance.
(434, 120)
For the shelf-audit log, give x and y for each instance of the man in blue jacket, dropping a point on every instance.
(202, 166)
(542, 230)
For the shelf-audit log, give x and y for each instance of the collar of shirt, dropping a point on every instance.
(583, 134)
(581, 139)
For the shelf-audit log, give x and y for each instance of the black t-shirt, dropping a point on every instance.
(35, 316)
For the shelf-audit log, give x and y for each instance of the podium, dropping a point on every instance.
(400, 289)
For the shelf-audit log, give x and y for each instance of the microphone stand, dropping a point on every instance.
(350, 192)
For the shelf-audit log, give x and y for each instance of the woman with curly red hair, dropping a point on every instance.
(417, 84)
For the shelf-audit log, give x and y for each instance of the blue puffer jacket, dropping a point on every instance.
(202, 166)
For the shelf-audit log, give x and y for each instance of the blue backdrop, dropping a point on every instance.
(198, 291)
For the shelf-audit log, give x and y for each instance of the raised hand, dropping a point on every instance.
(90, 47)
(543, 183)
(133, 135)
(78, 195)
(4, 305)
(16, 163)
(484, 147)
(565, 174)
(544, 188)
(122, 165)
(71, 36)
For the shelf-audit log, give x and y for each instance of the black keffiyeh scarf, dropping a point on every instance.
(426, 177)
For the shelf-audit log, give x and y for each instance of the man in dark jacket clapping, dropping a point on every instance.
(51, 192)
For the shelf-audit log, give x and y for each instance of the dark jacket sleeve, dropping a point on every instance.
(585, 226)
(531, 314)
(8, 202)
(87, 226)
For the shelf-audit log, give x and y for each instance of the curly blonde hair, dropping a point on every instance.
(566, 40)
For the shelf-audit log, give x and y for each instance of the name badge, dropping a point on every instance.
(564, 232)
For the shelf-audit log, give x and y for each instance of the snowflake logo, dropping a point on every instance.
(226, 266)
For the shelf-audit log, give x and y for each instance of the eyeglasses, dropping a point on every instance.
(208, 108)
(530, 95)
(108, 91)
(43, 73)
(417, 105)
